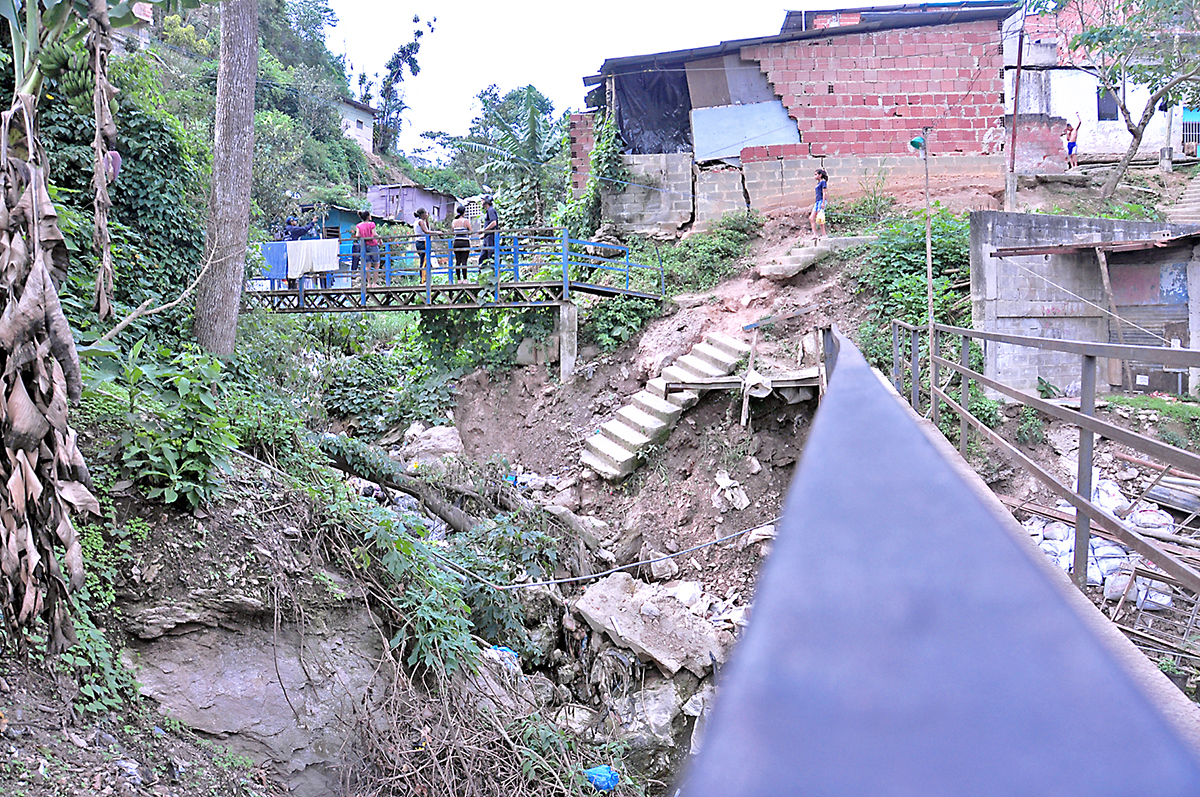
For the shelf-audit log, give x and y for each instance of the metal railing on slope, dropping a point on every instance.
(1080, 496)
(904, 641)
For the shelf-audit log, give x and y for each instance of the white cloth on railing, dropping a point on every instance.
(311, 256)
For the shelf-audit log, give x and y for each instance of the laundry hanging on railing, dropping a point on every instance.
(311, 256)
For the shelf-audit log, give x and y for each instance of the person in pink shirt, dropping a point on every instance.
(368, 244)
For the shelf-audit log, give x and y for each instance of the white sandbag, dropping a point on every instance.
(1151, 519)
(1057, 547)
(1034, 527)
(1057, 531)
(1115, 584)
(1107, 495)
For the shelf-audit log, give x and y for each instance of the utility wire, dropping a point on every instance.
(526, 585)
(1071, 293)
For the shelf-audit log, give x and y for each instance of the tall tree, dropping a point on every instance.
(219, 291)
(520, 140)
(391, 99)
(1135, 43)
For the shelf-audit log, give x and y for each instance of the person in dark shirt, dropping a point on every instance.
(491, 223)
(292, 231)
(816, 219)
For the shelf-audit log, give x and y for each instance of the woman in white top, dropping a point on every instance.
(424, 228)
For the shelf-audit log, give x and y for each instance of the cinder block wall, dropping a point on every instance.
(718, 193)
(869, 93)
(660, 199)
(1041, 149)
(783, 176)
(582, 137)
(1040, 295)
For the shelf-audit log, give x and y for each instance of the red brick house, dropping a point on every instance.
(745, 123)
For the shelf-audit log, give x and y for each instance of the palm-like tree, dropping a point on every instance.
(522, 137)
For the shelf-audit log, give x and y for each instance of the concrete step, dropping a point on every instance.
(674, 373)
(656, 406)
(606, 471)
(626, 436)
(715, 357)
(654, 429)
(680, 398)
(731, 346)
(706, 370)
(618, 458)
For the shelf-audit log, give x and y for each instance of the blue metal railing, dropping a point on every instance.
(905, 640)
(530, 255)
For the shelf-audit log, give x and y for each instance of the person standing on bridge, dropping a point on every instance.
(462, 243)
(368, 244)
(425, 233)
(491, 223)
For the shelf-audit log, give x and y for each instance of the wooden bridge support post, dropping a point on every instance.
(568, 339)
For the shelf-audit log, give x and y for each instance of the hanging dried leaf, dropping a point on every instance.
(42, 472)
(99, 44)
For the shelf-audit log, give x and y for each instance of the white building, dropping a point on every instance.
(358, 122)
(1053, 90)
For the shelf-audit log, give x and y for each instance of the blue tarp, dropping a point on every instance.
(722, 132)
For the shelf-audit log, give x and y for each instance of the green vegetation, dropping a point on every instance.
(1030, 428)
(612, 322)
(702, 259)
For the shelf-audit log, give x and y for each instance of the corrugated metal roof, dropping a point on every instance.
(883, 18)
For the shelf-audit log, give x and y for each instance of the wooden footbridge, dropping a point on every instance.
(523, 269)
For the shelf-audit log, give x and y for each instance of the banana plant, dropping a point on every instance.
(43, 473)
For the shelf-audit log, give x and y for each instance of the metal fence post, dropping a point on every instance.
(964, 430)
(1083, 524)
(915, 370)
(896, 356)
(934, 351)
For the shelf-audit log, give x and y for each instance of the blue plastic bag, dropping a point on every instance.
(604, 778)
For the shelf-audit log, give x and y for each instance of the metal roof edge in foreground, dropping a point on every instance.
(904, 640)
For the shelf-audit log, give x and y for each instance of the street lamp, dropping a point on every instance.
(921, 145)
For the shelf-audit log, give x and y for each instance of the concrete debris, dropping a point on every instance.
(761, 533)
(593, 531)
(699, 705)
(662, 569)
(753, 466)
(676, 639)
(686, 592)
(729, 493)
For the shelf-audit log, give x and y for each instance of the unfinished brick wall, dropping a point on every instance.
(718, 192)
(888, 85)
(1041, 148)
(582, 137)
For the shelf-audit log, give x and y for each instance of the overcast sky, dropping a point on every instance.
(552, 45)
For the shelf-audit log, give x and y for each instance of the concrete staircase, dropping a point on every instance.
(1187, 209)
(614, 451)
(807, 254)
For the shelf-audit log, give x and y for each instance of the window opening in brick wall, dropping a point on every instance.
(1106, 106)
(830, 88)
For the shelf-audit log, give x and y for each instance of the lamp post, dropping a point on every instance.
(921, 145)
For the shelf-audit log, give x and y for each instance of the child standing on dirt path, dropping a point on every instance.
(816, 219)
(1072, 146)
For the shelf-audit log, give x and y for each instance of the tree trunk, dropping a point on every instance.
(1110, 185)
(219, 294)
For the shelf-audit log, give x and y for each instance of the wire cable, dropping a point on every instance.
(526, 585)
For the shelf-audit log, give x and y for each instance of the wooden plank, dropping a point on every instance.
(1126, 375)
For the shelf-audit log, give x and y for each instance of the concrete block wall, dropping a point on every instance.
(869, 93)
(661, 200)
(582, 137)
(718, 192)
(1055, 296)
(783, 176)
